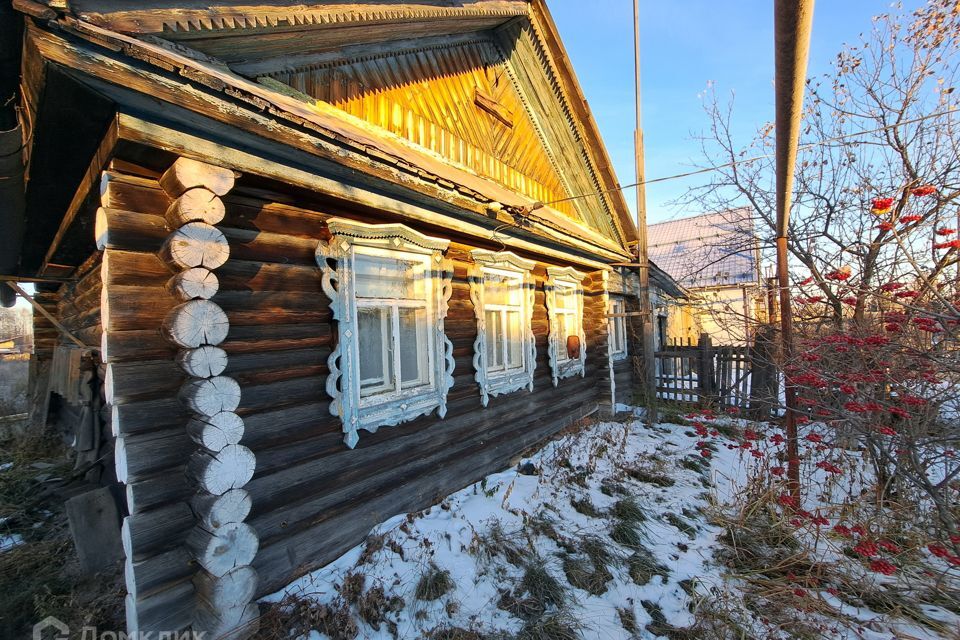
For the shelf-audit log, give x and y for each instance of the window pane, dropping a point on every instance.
(379, 277)
(413, 347)
(376, 356)
(501, 290)
(494, 334)
(566, 298)
(514, 340)
(563, 324)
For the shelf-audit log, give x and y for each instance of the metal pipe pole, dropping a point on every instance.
(646, 309)
(793, 22)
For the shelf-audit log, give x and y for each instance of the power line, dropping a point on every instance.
(765, 156)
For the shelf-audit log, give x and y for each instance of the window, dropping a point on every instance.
(618, 328)
(389, 287)
(502, 290)
(567, 349)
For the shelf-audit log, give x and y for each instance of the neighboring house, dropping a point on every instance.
(16, 330)
(716, 258)
(306, 248)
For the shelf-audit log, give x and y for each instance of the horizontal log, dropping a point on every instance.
(138, 455)
(132, 193)
(186, 174)
(264, 338)
(195, 323)
(162, 488)
(130, 308)
(195, 244)
(133, 268)
(210, 396)
(246, 244)
(281, 307)
(259, 210)
(195, 283)
(247, 275)
(166, 610)
(241, 621)
(290, 423)
(147, 576)
(148, 533)
(218, 472)
(128, 230)
(130, 381)
(223, 549)
(126, 346)
(195, 205)
(216, 431)
(287, 392)
(214, 512)
(203, 362)
(235, 588)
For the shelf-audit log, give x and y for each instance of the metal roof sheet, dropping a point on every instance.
(712, 249)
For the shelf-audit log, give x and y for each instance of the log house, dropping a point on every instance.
(330, 262)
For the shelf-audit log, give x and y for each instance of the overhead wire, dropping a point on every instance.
(765, 156)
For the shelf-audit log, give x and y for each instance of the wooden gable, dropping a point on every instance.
(457, 100)
(473, 97)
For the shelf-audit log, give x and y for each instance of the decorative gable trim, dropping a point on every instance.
(495, 385)
(336, 261)
(570, 367)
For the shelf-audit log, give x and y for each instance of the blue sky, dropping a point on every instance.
(686, 44)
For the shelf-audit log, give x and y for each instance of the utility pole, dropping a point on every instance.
(646, 310)
(793, 21)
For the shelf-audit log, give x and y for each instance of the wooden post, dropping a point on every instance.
(763, 378)
(649, 365)
(705, 369)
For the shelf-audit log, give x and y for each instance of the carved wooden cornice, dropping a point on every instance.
(160, 17)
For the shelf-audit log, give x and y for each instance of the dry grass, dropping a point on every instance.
(555, 626)
(41, 576)
(434, 583)
(298, 615)
(642, 566)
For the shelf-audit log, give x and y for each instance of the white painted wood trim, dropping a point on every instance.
(507, 382)
(336, 261)
(570, 367)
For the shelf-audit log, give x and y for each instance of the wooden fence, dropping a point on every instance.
(718, 376)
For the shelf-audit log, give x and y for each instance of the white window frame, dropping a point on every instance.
(337, 259)
(565, 277)
(504, 263)
(618, 307)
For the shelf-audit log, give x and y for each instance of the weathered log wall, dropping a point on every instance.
(312, 498)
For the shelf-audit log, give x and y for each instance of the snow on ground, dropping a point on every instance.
(616, 514)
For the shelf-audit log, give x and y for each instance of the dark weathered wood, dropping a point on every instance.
(146, 534)
(138, 455)
(167, 486)
(168, 609)
(310, 548)
(157, 571)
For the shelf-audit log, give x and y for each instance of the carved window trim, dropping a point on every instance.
(336, 259)
(618, 305)
(569, 277)
(494, 384)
